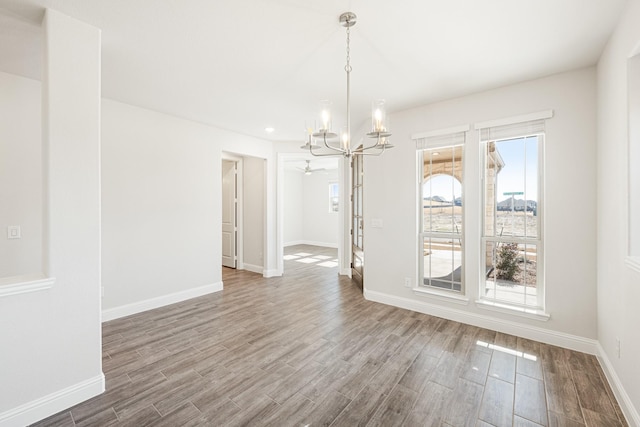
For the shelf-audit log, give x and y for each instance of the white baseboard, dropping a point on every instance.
(312, 243)
(346, 272)
(535, 333)
(253, 268)
(630, 412)
(53, 403)
(161, 301)
(272, 273)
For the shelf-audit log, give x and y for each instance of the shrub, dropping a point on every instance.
(507, 264)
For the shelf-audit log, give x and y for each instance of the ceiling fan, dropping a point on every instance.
(307, 169)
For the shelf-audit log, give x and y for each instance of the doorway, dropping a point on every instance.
(229, 213)
(310, 212)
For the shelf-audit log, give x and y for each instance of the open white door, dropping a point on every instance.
(229, 213)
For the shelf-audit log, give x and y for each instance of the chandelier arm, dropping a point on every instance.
(376, 145)
(326, 144)
(322, 155)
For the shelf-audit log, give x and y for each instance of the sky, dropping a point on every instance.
(510, 179)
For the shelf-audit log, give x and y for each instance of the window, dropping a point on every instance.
(441, 210)
(633, 73)
(334, 197)
(512, 221)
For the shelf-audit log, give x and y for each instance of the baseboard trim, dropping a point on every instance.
(311, 243)
(629, 411)
(53, 403)
(157, 302)
(560, 339)
(253, 268)
(271, 273)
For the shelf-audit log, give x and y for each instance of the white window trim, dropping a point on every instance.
(540, 115)
(539, 241)
(442, 295)
(420, 289)
(500, 307)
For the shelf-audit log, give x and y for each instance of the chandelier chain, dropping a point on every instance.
(347, 67)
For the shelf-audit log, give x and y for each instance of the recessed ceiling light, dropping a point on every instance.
(437, 153)
(269, 129)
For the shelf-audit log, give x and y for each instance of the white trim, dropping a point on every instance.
(441, 132)
(274, 272)
(633, 262)
(561, 339)
(540, 115)
(311, 243)
(629, 411)
(345, 272)
(529, 313)
(157, 302)
(53, 403)
(16, 285)
(442, 296)
(253, 268)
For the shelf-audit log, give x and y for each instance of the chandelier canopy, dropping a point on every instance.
(325, 142)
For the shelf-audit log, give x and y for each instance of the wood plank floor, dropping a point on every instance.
(306, 349)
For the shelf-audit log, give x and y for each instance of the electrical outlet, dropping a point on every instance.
(407, 282)
(618, 347)
(13, 232)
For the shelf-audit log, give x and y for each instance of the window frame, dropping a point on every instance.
(439, 139)
(333, 184)
(633, 158)
(538, 241)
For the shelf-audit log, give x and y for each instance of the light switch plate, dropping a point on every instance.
(13, 232)
(376, 223)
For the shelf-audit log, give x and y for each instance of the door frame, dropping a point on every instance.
(344, 257)
(239, 207)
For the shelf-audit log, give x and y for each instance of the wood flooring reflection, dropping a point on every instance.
(307, 349)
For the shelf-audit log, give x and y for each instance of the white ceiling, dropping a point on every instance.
(244, 65)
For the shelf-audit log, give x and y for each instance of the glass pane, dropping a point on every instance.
(511, 273)
(442, 263)
(442, 190)
(511, 188)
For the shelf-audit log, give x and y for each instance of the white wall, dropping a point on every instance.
(618, 284)
(570, 215)
(253, 221)
(320, 227)
(307, 219)
(20, 175)
(162, 206)
(293, 207)
(51, 339)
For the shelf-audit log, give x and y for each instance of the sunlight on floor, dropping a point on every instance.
(329, 264)
(309, 258)
(507, 350)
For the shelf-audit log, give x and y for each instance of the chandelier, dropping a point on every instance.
(317, 141)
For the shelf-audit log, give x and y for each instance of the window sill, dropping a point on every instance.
(442, 296)
(514, 310)
(23, 284)
(633, 262)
